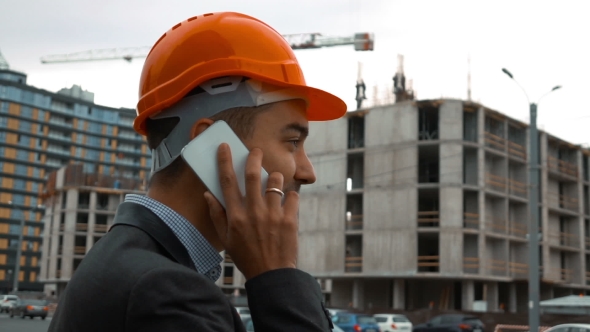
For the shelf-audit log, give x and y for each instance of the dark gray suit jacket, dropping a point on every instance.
(139, 277)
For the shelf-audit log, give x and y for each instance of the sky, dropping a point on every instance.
(543, 43)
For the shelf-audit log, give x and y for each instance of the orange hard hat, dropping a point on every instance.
(223, 44)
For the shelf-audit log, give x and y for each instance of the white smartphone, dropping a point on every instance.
(201, 155)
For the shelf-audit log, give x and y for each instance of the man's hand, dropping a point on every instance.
(258, 232)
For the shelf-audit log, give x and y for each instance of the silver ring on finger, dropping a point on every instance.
(275, 190)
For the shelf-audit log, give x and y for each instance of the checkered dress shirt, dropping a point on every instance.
(206, 259)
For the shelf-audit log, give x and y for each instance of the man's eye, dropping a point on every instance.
(295, 142)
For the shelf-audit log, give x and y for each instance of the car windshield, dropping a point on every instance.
(400, 320)
(381, 319)
(34, 302)
(367, 320)
(472, 320)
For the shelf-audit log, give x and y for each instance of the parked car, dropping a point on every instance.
(333, 312)
(350, 322)
(393, 323)
(7, 301)
(243, 311)
(250, 326)
(451, 323)
(570, 328)
(31, 308)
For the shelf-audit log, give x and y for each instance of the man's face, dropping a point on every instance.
(280, 132)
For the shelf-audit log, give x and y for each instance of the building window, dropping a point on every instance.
(24, 126)
(3, 121)
(36, 171)
(33, 200)
(34, 187)
(21, 170)
(14, 229)
(3, 107)
(18, 199)
(24, 141)
(19, 184)
(26, 112)
(89, 168)
(22, 155)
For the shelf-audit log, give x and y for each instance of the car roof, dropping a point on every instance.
(390, 315)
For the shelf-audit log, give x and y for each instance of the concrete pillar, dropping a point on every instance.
(512, 304)
(358, 294)
(467, 295)
(491, 292)
(399, 294)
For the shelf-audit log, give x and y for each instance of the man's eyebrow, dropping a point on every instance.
(303, 130)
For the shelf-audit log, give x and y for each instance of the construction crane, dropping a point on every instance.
(363, 41)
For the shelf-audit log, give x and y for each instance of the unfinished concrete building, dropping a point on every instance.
(425, 203)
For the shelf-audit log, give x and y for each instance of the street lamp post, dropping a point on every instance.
(533, 210)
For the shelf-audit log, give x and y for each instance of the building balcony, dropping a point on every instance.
(562, 167)
(228, 259)
(58, 274)
(564, 240)
(428, 264)
(80, 250)
(354, 222)
(518, 229)
(228, 280)
(428, 219)
(494, 141)
(496, 182)
(101, 228)
(559, 275)
(496, 225)
(557, 201)
(496, 267)
(587, 240)
(516, 150)
(81, 227)
(470, 265)
(353, 264)
(518, 188)
(518, 270)
(471, 220)
(587, 277)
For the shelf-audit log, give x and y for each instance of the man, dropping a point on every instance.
(156, 268)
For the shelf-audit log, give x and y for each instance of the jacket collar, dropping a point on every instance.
(135, 215)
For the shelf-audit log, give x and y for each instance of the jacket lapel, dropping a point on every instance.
(136, 215)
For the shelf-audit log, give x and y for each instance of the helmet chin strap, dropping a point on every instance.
(219, 94)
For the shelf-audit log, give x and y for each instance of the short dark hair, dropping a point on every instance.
(240, 119)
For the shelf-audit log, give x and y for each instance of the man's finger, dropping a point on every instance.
(252, 178)
(274, 199)
(291, 205)
(227, 178)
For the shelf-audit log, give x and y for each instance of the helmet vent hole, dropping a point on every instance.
(209, 14)
(192, 18)
(176, 26)
(221, 85)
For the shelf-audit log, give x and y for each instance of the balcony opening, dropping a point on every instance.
(64, 200)
(428, 252)
(355, 171)
(84, 200)
(80, 245)
(469, 124)
(428, 207)
(586, 201)
(587, 233)
(495, 214)
(58, 268)
(562, 269)
(494, 133)
(82, 222)
(586, 167)
(228, 275)
(587, 269)
(427, 123)
(568, 232)
(470, 254)
(561, 160)
(495, 168)
(354, 212)
(470, 209)
(496, 263)
(518, 219)
(62, 221)
(353, 260)
(470, 175)
(100, 225)
(102, 201)
(518, 264)
(517, 181)
(517, 141)
(356, 132)
(60, 245)
(428, 164)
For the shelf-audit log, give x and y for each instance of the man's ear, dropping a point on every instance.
(200, 127)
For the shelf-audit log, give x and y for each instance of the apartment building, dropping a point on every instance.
(423, 203)
(40, 131)
(80, 209)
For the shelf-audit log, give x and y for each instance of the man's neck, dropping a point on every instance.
(191, 205)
